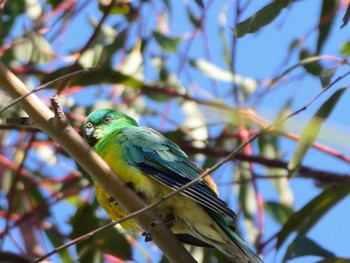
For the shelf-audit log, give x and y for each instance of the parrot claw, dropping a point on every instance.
(147, 236)
(112, 199)
(129, 184)
(169, 220)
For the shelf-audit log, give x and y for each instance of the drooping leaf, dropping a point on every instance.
(247, 85)
(345, 49)
(102, 54)
(35, 49)
(326, 76)
(92, 56)
(269, 148)
(334, 260)
(196, 22)
(312, 130)
(327, 17)
(195, 123)
(199, 3)
(114, 243)
(314, 67)
(306, 247)
(222, 16)
(247, 198)
(11, 11)
(102, 76)
(261, 18)
(169, 44)
(346, 17)
(134, 62)
(111, 241)
(279, 212)
(212, 70)
(58, 241)
(83, 222)
(303, 220)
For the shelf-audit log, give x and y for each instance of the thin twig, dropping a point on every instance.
(45, 85)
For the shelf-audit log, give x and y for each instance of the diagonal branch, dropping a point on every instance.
(74, 145)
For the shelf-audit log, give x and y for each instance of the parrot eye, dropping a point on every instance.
(107, 119)
(89, 125)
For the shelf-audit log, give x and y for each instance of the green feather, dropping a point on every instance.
(163, 161)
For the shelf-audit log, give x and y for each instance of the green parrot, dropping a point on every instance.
(154, 166)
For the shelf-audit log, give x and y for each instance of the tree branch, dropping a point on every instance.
(76, 147)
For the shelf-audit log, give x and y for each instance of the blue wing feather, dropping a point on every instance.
(165, 162)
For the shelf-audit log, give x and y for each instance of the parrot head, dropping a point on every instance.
(102, 122)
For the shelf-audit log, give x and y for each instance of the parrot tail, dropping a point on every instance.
(235, 248)
(230, 243)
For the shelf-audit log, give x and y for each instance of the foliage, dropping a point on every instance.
(182, 68)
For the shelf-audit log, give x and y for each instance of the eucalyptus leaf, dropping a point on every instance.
(334, 260)
(261, 18)
(35, 49)
(279, 212)
(169, 44)
(314, 67)
(345, 49)
(312, 130)
(304, 219)
(326, 21)
(306, 247)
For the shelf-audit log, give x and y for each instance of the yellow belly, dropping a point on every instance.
(188, 216)
(113, 210)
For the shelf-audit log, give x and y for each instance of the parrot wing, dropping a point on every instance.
(165, 162)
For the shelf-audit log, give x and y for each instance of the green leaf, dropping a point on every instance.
(305, 247)
(196, 22)
(84, 173)
(168, 44)
(247, 199)
(83, 222)
(346, 17)
(279, 212)
(212, 70)
(35, 49)
(247, 85)
(105, 75)
(8, 16)
(345, 49)
(57, 241)
(314, 67)
(326, 76)
(312, 130)
(327, 17)
(261, 18)
(111, 241)
(199, 3)
(118, 43)
(334, 260)
(269, 148)
(303, 220)
(92, 56)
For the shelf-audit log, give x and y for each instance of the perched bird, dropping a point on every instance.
(154, 166)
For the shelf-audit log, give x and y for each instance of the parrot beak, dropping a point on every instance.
(89, 135)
